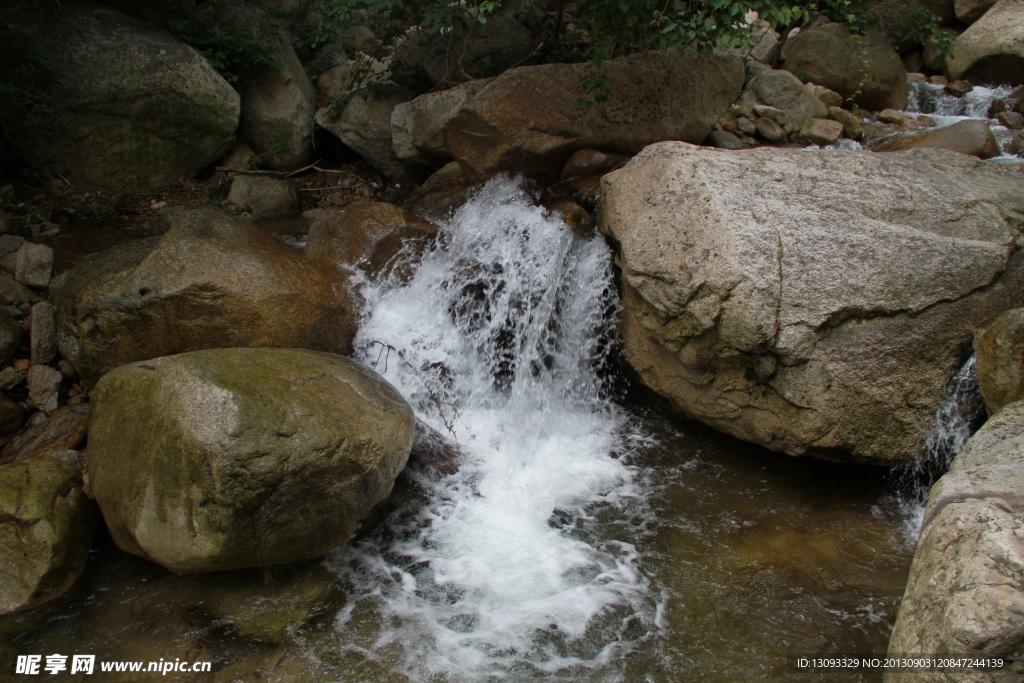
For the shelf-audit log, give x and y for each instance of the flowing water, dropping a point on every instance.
(585, 536)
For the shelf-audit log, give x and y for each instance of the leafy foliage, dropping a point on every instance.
(236, 41)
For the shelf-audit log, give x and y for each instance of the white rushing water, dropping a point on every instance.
(504, 570)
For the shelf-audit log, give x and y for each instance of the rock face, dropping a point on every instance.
(46, 530)
(972, 137)
(364, 124)
(373, 236)
(524, 121)
(210, 282)
(813, 303)
(991, 50)
(232, 458)
(965, 594)
(277, 113)
(139, 108)
(417, 127)
(864, 67)
(1001, 360)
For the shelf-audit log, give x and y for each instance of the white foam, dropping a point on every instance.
(498, 336)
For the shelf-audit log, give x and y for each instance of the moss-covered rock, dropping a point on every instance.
(232, 458)
(46, 530)
(211, 281)
(1001, 360)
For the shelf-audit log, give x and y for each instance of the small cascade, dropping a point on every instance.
(954, 423)
(931, 99)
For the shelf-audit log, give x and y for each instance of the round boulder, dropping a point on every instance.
(1001, 360)
(46, 530)
(863, 67)
(231, 458)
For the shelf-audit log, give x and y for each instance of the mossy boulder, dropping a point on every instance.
(46, 530)
(137, 108)
(211, 281)
(233, 458)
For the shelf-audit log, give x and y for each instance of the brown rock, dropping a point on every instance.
(971, 137)
(42, 333)
(1000, 364)
(851, 124)
(588, 161)
(821, 132)
(433, 454)
(373, 236)
(65, 430)
(1011, 120)
(959, 88)
(770, 131)
(211, 281)
(44, 385)
(443, 192)
(723, 140)
(574, 215)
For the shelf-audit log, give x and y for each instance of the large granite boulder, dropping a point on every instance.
(46, 530)
(815, 303)
(1000, 364)
(863, 67)
(969, 11)
(965, 592)
(525, 120)
(211, 281)
(232, 458)
(137, 108)
(277, 112)
(991, 50)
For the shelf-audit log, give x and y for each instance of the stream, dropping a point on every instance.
(586, 536)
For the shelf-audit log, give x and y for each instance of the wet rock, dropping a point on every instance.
(991, 50)
(851, 124)
(232, 458)
(376, 237)
(12, 415)
(770, 131)
(525, 120)
(277, 112)
(821, 132)
(10, 339)
(363, 123)
(959, 88)
(1001, 360)
(211, 281)
(42, 333)
(1011, 120)
(831, 56)
(34, 265)
(137, 107)
(782, 90)
(589, 161)
(820, 306)
(441, 193)
(46, 530)
(972, 137)
(264, 197)
(44, 385)
(417, 127)
(723, 140)
(433, 454)
(965, 594)
(891, 116)
(574, 215)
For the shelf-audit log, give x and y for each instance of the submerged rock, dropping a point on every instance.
(862, 67)
(211, 281)
(232, 458)
(972, 137)
(965, 592)
(815, 303)
(525, 120)
(1001, 360)
(139, 108)
(46, 530)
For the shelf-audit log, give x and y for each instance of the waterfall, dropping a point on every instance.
(953, 424)
(926, 98)
(508, 565)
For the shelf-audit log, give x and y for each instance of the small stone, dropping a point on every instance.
(311, 214)
(21, 364)
(996, 107)
(10, 244)
(765, 112)
(917, 76)
(891, 116)
(724, 140)
(44, 385)
(51, 232)
(746, 126)
(959, 88)
(12, 292)
(1011, 120)
(821, 132)
(42, 333)
(729, 127)
(67, 369)
(35, 265)
(770, 131)
(65, 429)
(938, 80)
(264, 197)
(11, 377)
(926, 121)
(37, 418)
(851, 124)
(12, 415)
(830, 98)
